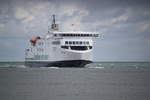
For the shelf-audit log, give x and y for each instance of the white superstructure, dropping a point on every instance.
(62, 49)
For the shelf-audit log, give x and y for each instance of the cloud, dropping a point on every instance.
(21, 13)
(31, 17)
(148, 41)
(120, 19)
(114, 19)
(67, 10)
(35, 17)
(28, 19)
(2, 26)
(75, 21)
(73, 24)
(145, 27)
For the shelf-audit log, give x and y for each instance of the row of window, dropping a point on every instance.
(67, 42)
(83, 35)
(76, 42)
(40, 49)
(40, 43)
(53, 42)
(77, 47)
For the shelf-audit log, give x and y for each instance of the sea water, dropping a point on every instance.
(96, 81)
(100, 65)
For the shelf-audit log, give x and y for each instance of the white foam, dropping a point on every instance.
(97, 67)
(54, 67)
(99, 64)
(50, 67)
(22, 66)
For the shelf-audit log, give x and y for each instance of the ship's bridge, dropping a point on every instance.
(75, 40)
(75, 34)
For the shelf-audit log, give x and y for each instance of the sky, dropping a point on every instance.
(123, 25)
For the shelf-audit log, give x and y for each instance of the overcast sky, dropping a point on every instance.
(124, 26)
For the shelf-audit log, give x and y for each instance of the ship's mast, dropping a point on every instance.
(53, 19)
(54, 26)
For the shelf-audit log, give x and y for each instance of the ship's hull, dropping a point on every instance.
(69, 63)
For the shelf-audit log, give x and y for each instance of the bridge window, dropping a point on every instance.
(66, 42)
(80, 42)
(82, 35)
(73, 42)
(77, 42)
(70, 42)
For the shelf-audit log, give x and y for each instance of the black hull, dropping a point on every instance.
(71, 63)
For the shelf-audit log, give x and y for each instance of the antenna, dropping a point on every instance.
(53, 19)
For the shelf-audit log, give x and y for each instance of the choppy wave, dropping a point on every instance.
(119, 65)
(12, 65)
(97, 65)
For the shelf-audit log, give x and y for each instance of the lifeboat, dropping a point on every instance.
(34, 40)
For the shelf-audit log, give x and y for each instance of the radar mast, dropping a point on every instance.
(54, 26)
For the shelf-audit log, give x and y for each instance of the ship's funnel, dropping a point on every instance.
(54, 26)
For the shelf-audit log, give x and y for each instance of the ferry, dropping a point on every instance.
(60, 48)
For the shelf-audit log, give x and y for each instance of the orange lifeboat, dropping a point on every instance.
(34, 40)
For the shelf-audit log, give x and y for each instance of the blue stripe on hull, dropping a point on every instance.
(71, 63)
